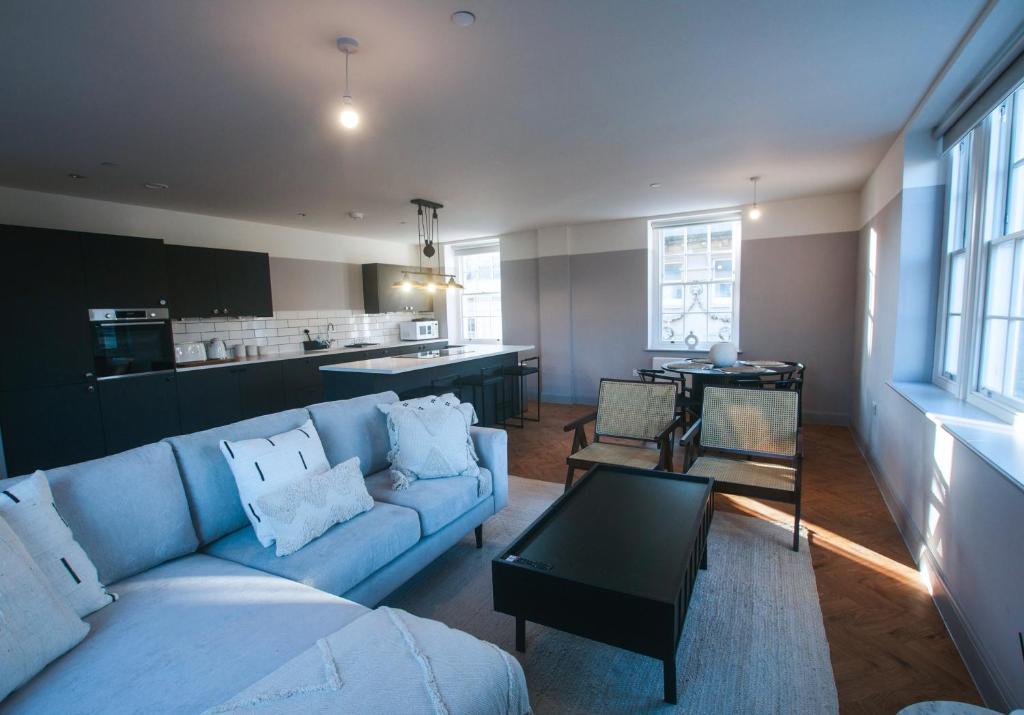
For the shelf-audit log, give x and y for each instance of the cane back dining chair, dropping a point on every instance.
(626, 409)
(791, 379)
(687, 407)
(761, 428)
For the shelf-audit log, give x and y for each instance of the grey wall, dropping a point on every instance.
(796, 298)
(300, 284)
(960, 516)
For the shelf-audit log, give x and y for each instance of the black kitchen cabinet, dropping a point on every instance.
(43, 312)
(220, 395)
(260, 388)
(380, 295)
(138, 410)
(208, 282)
(48, 427)
(124, 272)
(302, 382)
(208, 398)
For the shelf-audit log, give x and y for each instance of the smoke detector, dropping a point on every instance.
(356, 215)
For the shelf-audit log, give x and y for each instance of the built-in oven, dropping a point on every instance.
(131, 341)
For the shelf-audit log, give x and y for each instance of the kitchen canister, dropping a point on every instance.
(251, 351)
(238, 350)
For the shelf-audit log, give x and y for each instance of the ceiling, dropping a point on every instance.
(541, 113)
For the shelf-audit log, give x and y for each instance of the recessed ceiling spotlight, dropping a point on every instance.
(655, 185)
(356, 215)
(75, 176)
(109, 164)
(463, 18)
(155, 185)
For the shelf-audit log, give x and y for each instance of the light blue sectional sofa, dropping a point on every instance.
(204, 611)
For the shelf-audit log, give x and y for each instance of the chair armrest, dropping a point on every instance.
(492, 448)
(691, 433)
(580, 422)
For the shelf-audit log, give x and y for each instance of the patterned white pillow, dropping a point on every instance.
(301, 511)
(29, 510)
(448, 399)
(36, 624)
(263, 465)
(429, 442)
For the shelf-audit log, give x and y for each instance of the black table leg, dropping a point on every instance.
(670, 679)
(704, 556)
(520, 634)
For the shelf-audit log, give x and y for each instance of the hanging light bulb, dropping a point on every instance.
(755, 212)
(349, 117)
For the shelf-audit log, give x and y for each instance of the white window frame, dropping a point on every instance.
(455, 298)
(655, 283)
(985, 228)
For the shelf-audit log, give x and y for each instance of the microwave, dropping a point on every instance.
(418, 330)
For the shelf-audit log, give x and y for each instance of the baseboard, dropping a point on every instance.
(986, 678)
(839, 419)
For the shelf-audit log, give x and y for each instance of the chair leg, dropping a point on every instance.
(568, 477)
(796, 527)
(479, 533)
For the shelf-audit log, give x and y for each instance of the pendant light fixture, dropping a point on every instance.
(349, 117)
(427, 235)
(755, 212)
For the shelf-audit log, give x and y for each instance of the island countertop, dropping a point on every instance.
(398, 365)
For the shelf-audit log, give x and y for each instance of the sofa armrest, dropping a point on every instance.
(492, 448)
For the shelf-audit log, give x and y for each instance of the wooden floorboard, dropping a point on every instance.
(888, 645)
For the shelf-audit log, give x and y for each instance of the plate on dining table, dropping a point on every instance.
(766, 363)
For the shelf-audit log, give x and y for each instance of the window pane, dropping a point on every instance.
(993, 355)
(955, 229)
(697, 323)
(696, 239)
(1015, 200)
(1018, 125)
(721, 267)
(721, 237)
(956, 283)
(1000, 279)
(673, 272)
(673, 244)
(1017, 304)
(1015, 361)
(720, 326)
(951, 359)
(720, 296)
(480, 301)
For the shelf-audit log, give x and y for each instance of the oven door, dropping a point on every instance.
(132, 347)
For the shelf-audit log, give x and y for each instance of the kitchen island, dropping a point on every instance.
(431, 372)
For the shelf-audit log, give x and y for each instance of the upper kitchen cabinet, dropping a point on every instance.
(380, 295)
(211, 282)
(43, 311)
(124, 272)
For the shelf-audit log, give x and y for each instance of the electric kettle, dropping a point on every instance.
(216, 350)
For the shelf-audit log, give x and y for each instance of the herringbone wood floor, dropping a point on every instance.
(888, 644)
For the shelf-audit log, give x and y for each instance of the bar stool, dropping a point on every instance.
(522, 371)
(481, 382)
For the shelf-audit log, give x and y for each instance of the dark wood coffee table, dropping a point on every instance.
(615, 559)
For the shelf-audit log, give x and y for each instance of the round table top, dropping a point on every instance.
(701, 366)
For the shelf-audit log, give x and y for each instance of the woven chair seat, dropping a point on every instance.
(621, 454)
(754, 474)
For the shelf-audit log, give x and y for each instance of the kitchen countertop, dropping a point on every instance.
(398, 365)
(293, 355)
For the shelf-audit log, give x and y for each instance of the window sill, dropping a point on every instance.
(998, 443)
(694, 351)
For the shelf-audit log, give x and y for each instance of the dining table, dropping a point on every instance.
(703, 372)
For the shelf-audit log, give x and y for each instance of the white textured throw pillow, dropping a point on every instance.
(301, 511)
(263, 465)
(36, 624)
(29, 510)
(429, 442)
(448, 399)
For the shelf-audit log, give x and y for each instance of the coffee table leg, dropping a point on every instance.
(670, 679)
(520, 634)
(704, 557)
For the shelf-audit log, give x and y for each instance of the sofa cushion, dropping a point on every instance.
(438, 502)
(37, 623)
(355, 428)
(30, 511)
(184, 637)
(270, 462)
(209, 485)
(128, 511)
(339, 559)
